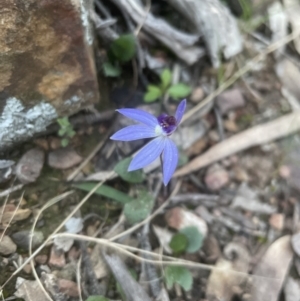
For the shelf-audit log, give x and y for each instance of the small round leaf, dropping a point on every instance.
(178, 243)
(194, 238)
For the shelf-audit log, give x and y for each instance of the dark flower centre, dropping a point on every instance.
(168, 123)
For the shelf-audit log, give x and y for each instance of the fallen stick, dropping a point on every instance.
(257, 135)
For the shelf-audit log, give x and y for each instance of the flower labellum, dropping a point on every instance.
(159, 128)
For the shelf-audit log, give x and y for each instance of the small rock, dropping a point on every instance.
(21, 238)
(57, 258)
(211, 249)
(276, 221)
(41, 259)
(74, 254)
(70, 288)
(11, 215)
(67, 272)
(240, 174)
(284, 171)
(27, 268)
(213, 136)
(197, 95)
(7, 246)
(179, 218)
(231, 126)
(230, 100)
(63, 243)
(30, 165)
(296, 243)
(216, 177)
(63, 158)
(55, 143)
(42, 143)
(29, 290)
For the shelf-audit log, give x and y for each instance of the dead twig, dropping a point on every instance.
(10, 190)
(257, 135)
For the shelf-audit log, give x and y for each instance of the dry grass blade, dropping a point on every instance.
(257, 135)
(8, 191)
(12, 217)
(162, 259)
(79, 278)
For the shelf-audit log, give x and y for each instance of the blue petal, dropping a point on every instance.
(170, 159)
(180, 111)
(148, 153)
(140, 115)
(134, 132)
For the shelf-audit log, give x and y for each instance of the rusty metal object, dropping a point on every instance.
(46, 64)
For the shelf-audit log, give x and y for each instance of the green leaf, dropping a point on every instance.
(64, 142)
(178, 243)
(153, 92)
(96, 298)
(194, 238)
(166, 77)
(71, 133)
(180, 275)
(106, 191)
(110, 70)
(140, 208)
(136, 176)
(63, 121)
(124, 47)
(179, 90)
(62, 131)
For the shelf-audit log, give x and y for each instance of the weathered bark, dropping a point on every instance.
(46, 64)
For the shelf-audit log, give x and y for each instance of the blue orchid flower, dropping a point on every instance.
(159, 128)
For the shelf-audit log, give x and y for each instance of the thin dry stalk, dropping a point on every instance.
(167, 260)
(147, 11)
(254, 136)
(12, 217)
(79, 278)
(8, 191)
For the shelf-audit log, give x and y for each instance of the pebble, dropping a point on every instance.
(21, 238)
(197, 95)
(179, 218)
(63, 158)
(57, 258)
(230, 100)
(216, 177)
(30, 165)
(70, 288)
(41, 259)
(276, 221)
(7, 246)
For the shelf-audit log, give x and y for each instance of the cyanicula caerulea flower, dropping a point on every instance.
(159, 128)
